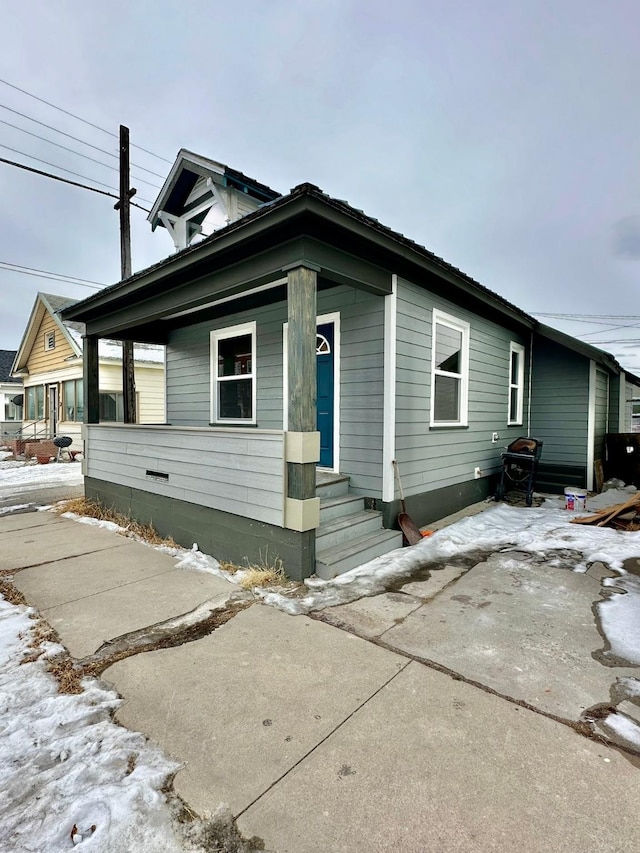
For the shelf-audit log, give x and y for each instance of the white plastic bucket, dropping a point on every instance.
(575, 500)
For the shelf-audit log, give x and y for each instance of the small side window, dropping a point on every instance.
(449, 370)
(516, 383)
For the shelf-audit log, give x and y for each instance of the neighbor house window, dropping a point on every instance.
(34, 396)
(516, 383)
(73, 401)
(50, 340)
(233, 365)
(450, 370)
(112, 406)
(11, 411)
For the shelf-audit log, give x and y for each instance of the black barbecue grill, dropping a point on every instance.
(519, 467)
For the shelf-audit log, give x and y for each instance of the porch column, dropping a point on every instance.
(90, 391)
(128, 383)
(301, 463)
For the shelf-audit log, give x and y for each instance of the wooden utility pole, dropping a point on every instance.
(126, 193)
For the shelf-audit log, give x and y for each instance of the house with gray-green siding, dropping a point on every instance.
(312, 356)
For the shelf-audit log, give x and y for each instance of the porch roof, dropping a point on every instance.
(249, 257)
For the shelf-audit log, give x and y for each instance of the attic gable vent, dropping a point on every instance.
(200, 196)
(50, 340)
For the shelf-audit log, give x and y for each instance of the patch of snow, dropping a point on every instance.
(630, 686)
(7, 510)
(94, 522)
(199, 562)
(538, 531)
(23, 476)
(620, 618)
(623, 726)
(5, 453)
(70, 775)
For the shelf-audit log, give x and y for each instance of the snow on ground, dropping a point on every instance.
(70, 778)
(26, 476)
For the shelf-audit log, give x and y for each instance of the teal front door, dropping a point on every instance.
(325, 341)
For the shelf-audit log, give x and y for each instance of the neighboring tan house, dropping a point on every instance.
(49, 362)
(10, 394)
(308, 346)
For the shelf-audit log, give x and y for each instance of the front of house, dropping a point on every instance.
(49, 363)
(307, 348)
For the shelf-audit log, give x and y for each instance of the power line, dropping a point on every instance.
(75, 138)
(69, 171)
(585, 317)
(67, 181)
(71, 151)
(55, 166)
(60, 278)
(78, 118)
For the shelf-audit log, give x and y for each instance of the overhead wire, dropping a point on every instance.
(75, 139)
(79, 118)
(71, 183)
(52, 276)
(77, 153)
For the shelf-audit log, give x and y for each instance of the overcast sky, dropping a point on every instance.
(504, 135)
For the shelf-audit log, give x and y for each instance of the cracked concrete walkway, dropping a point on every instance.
(321, 740)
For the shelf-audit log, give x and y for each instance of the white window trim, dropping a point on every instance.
(442, 319)
(224, 334)
(519, 385)
(49, 341)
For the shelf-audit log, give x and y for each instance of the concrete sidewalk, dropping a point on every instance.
(319, 739)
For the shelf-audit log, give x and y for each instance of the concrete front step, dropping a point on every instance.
(331, 508)
(330, 485)
(340, 558)
(347, 528)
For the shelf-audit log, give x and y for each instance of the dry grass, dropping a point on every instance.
(264, 573)
(10, 593)
(132, 529)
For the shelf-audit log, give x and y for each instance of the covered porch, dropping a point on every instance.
(226, 478)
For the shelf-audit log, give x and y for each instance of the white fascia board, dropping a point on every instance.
(389, 391)
(591, 424)
(28, 338)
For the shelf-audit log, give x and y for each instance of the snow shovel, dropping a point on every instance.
(408, 526)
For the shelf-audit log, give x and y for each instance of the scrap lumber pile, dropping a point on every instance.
(624, 516)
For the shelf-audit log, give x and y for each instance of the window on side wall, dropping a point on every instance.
(73, 401)
(34, 402)
(112, 406)
(233, 372)
(516, 383)
(449, 370)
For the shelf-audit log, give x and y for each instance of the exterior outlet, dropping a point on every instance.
(477, 473)
(495, 437)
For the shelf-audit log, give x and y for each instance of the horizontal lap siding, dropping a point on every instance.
(237, 473)
(361, 376)
(601, 421)
(560, 403)
(188, 368)
(433, 458)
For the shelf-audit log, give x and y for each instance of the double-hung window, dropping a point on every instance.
(516, 383)
(233, 375)
(449, 370)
